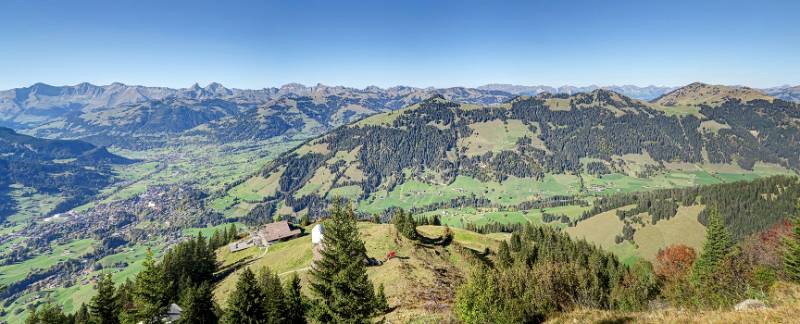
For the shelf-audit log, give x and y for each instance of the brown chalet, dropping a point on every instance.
(277, 231)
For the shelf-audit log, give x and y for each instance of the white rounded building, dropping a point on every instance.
(317, 233)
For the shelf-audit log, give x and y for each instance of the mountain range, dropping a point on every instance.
(139, 117)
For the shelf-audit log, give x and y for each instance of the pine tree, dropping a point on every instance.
(339, 278)
(271, 287)
(48, 313)
(149, 297)
(216, 241)
(246, 303)
(791, 257)
(82, 316)
(504, 258)
(708, 266)
(294, 302)
(232, 234)
(716, 246)
(516, 242)
(104, 307)
(197, 305)
(381, 304)
(203, 260)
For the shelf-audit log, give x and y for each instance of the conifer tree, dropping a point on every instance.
(707, 268)
(716, 246)
(294, 302)
(216, 240)
(504, 258)
(82, 315)
(232, 234)
(516, 242)
(149, 298)
(339, 278)
(246, 303)
(48, 313)
(203, 261)
(197, 305)
(381, 304)
(104, 307)
(791, 257)
(271, 287)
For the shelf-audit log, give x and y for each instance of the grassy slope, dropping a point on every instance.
(683, 228)
(419, 283)
(783, 303)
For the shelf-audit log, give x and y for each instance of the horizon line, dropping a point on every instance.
(319, 84)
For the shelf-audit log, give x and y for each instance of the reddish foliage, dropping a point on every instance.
(766, 248)
(673, 262)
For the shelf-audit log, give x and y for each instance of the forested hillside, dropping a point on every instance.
(545, 146)
(75, 170)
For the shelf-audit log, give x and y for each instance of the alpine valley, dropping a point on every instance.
(94, 178)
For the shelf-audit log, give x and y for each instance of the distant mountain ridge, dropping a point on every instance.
(140, 117)
(636, 92)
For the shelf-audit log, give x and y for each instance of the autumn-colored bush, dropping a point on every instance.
(674, 262)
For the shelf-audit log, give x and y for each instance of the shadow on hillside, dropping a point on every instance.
(438, 241)
(618, 320)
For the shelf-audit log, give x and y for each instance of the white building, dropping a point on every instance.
(316, 234)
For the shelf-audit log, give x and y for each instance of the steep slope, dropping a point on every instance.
(440, 154)
(73, 170)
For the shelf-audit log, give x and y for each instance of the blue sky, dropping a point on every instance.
(419, 43)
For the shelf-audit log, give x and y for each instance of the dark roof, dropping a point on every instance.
(278, 231)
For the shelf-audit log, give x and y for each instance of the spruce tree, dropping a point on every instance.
(149, 297)
(232, 234)
(216, 240)
(381, 304)
(708, 266)
(246, 303)
(271, 287)
(339, 278)
(791, 257)
(48, 313)
(203, 261)
(504, 258)
(82, 316)
(294, 303)
(104, 307)
(197, 305)
(716, 246)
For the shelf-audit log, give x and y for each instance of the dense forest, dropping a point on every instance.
(745, 207)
